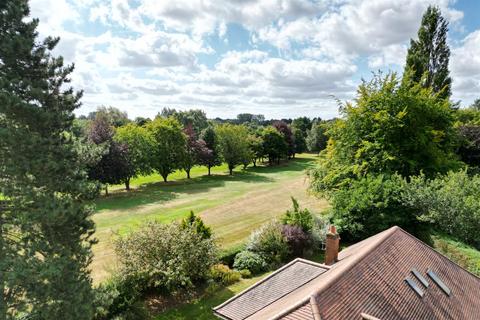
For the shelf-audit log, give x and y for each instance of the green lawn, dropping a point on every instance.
(466, 256)
(201, 308)
(232, 205)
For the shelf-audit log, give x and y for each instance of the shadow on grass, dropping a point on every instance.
(165, 191)
(159, 192)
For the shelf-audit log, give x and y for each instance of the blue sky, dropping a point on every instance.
(280, 58)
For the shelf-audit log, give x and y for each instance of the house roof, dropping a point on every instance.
(280, 283)
(369, 282)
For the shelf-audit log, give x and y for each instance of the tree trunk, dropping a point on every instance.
(209, 170)
(188, 173)
(254, 162)
(231, 170)
(106, 190)
(164, 176)
(127, 184)
(3, 302)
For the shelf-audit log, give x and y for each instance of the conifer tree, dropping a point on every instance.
(429, 55)
(45, 225)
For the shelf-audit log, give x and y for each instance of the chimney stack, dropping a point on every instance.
(332, 245)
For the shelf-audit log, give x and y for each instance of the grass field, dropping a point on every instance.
(232, 205)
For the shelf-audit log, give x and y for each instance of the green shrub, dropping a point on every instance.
(245, 273)
(251, 261)
(221, 273)
(164, 256)
(227, 256)
(372, 204)
(451, 202)
(116, 299)
(298, 217)
(318, 233)
(197, 224)
(269, 242)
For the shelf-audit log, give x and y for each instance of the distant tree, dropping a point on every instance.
(255, 144)
(213, 157)
(194, 117)
(244, 118)
(286, 131)
(115, 117)
(139, 146)
(169, 139)
(45, 220)
(141, 121)
(233, 144)
(113, 166)
(300, 143)
(274, 144)
(476, 105)
(196, 150)
(429, 55)
(316, 139)
(303, 124)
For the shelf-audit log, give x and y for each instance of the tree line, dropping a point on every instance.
(179, 140)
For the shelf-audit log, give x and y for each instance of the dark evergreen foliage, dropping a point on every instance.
(45, 225)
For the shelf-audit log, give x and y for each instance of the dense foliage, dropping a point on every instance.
(165, 257)
(391, 128)
(248, 260)
(233, 143)
(45, 225)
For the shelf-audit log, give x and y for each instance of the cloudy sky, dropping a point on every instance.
(280, 58)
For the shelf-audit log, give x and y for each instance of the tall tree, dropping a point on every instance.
(169, 140)
(139, 145)
(303, 124)
(428, 57)
(113, 165)
(212, 158)
(45, 221)
(115, 116)
(274, 144)
(287, 133)
(316, 139)
(195, 150)
(233, 144)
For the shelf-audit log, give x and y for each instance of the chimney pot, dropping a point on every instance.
(332, 245)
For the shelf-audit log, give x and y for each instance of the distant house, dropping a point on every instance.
(391, 275)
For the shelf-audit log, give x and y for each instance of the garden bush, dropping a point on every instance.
(197, 224)
(298, 217)
(251, 261)
(372, 204)
(165, 256)
(318, 233)
(221, 273)
(269, 242)
(450, 202)
(297, 239)
(116, 299)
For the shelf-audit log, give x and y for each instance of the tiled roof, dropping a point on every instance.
(369, 281)
(376, 286)
(277, 285)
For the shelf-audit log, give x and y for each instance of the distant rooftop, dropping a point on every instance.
(391, 275)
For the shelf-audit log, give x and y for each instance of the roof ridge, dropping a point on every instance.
(342, 269)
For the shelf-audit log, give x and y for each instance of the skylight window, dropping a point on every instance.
(414, 286)
(439, 282)
(420, 277)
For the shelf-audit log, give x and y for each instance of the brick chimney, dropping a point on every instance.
(332, 244)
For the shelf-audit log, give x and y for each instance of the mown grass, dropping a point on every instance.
(466, 256)
(232, 205)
